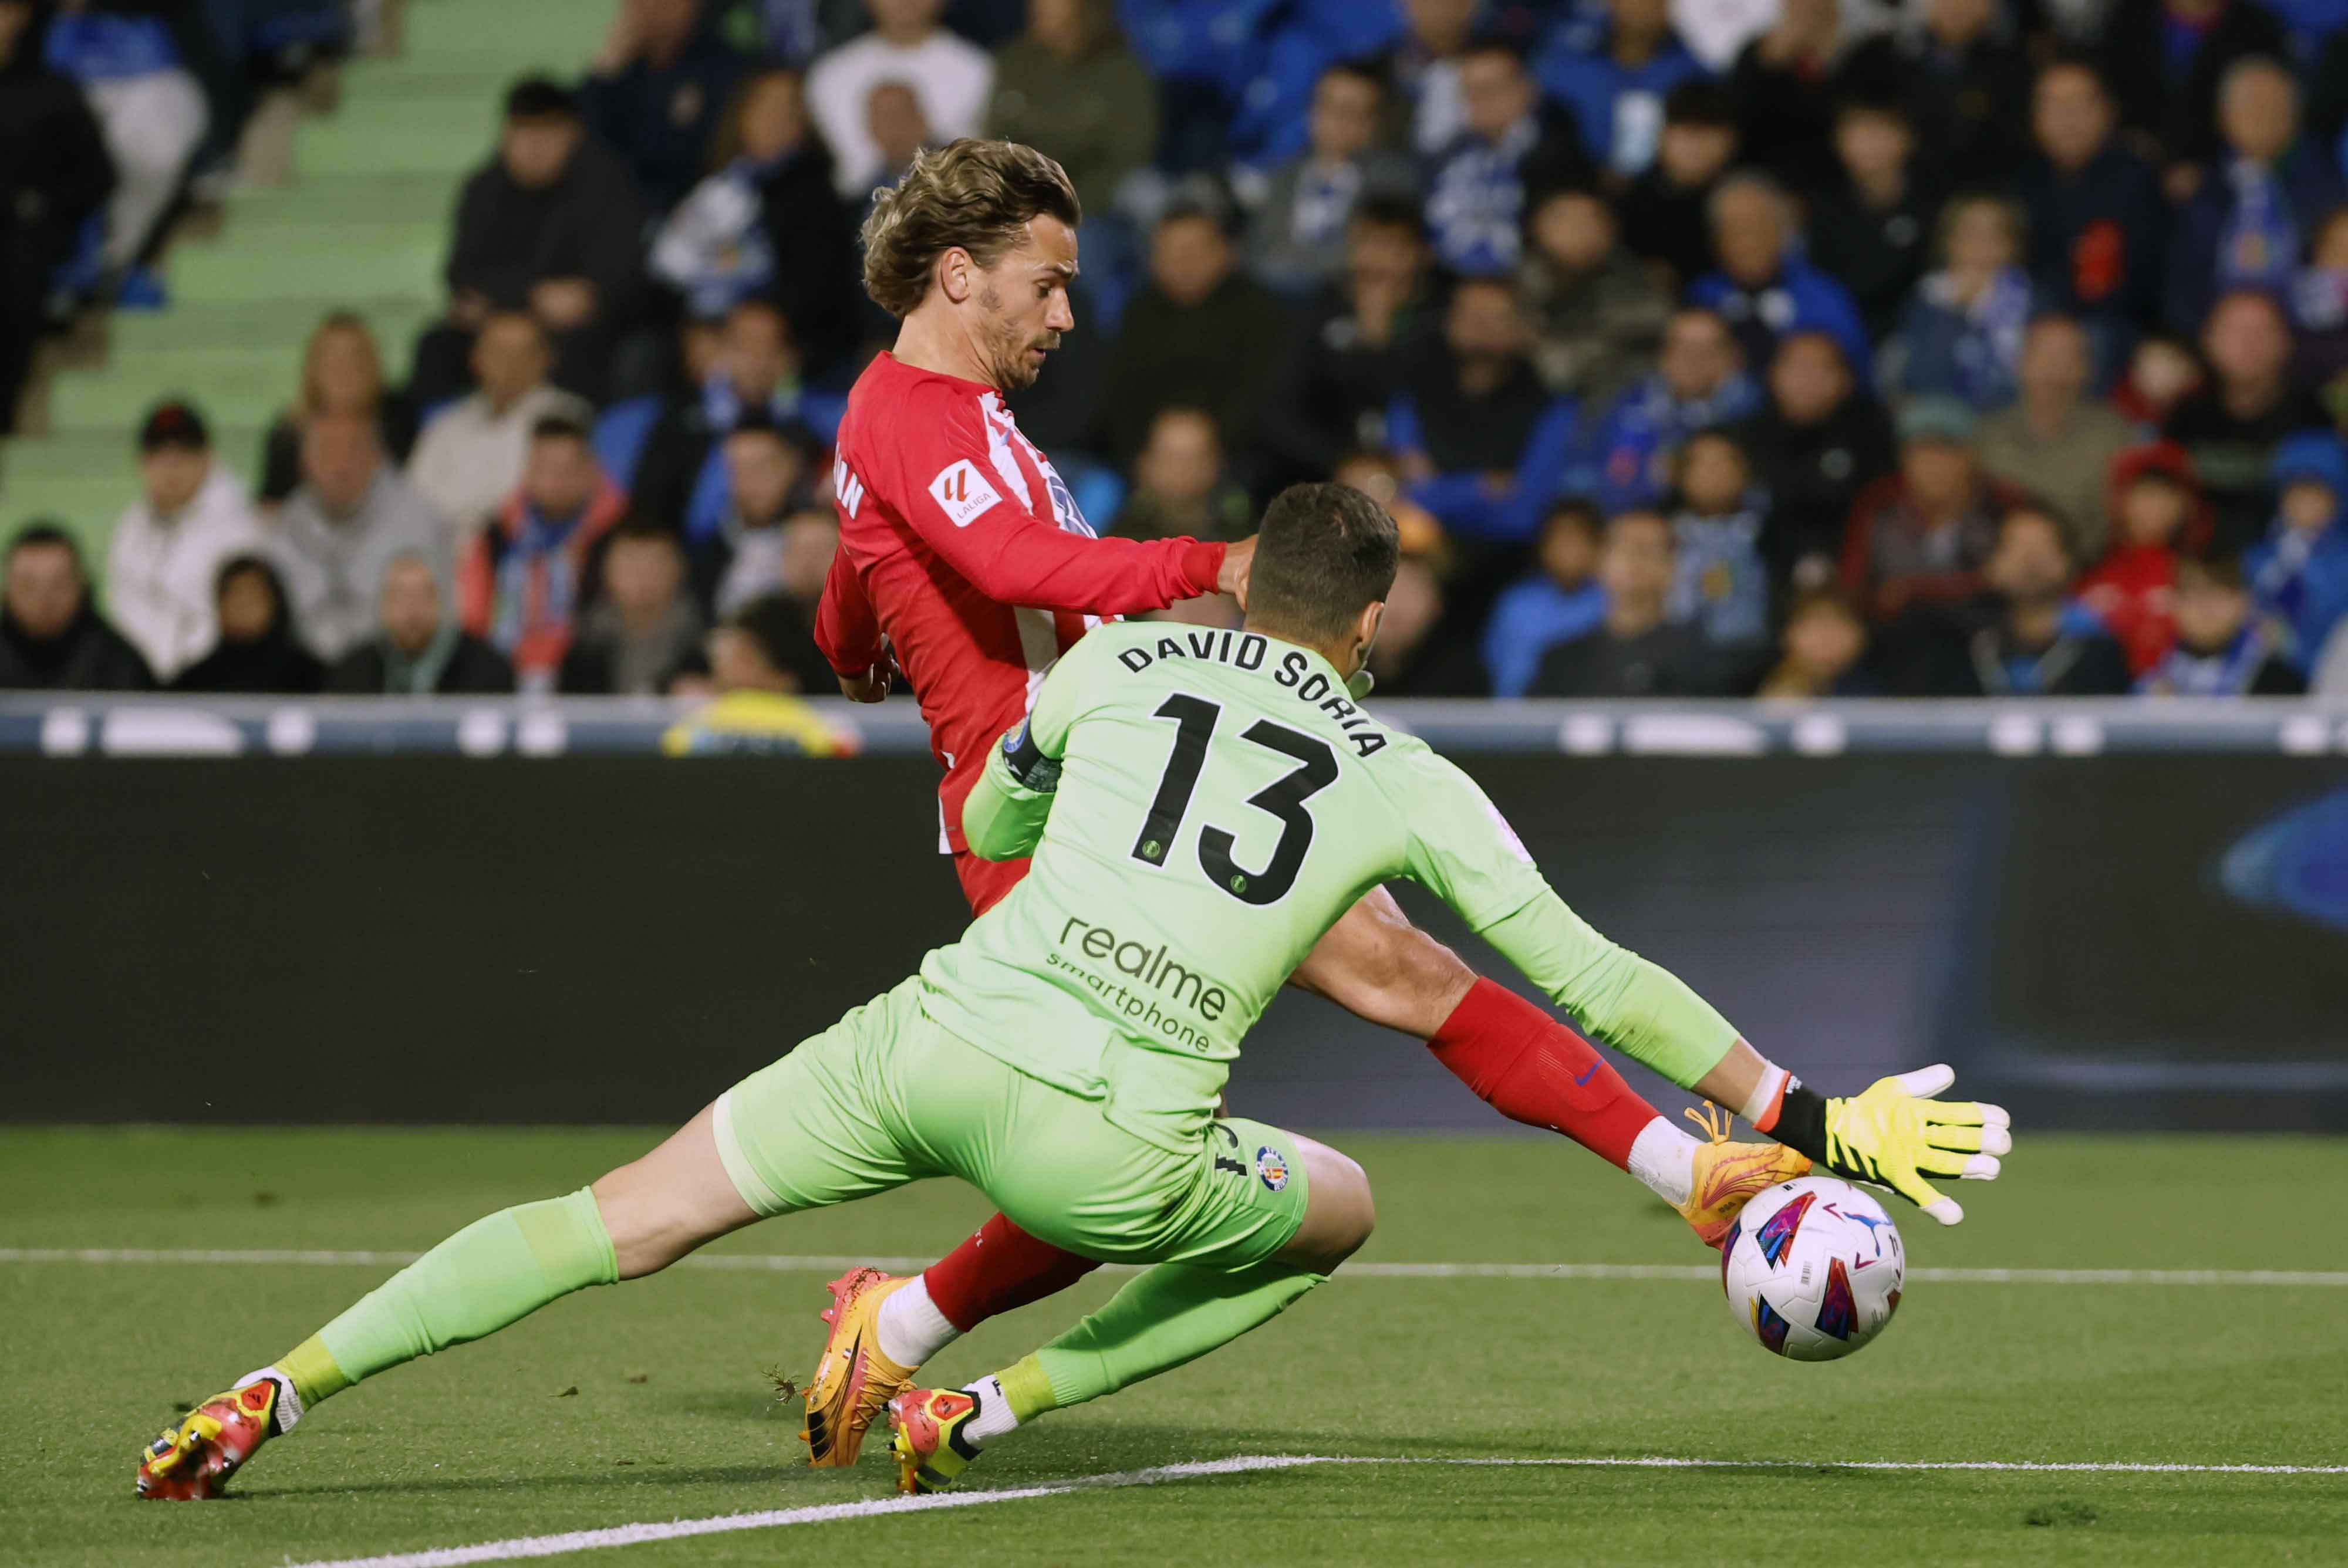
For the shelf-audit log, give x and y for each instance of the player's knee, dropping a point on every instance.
(1341, 1212)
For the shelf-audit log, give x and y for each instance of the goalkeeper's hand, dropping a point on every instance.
(1895, 1135)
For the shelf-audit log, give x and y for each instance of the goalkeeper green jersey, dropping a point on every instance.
(1201, 805)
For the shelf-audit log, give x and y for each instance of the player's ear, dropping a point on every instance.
(957, 274)
(1366, 628)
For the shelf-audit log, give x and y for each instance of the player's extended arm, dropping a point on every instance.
(1895, 1134)
(1015, 556)
(1002, 816)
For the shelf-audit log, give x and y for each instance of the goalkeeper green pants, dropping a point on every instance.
(887, 1096)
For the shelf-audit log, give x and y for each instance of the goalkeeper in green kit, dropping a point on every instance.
(1201, 805)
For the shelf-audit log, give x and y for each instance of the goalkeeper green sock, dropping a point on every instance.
(1173, 1313)
(494, 1271)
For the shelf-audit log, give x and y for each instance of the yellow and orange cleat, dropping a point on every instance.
(194, 1460)
(930, 1444)
(854, 1380)
(1730, 1175)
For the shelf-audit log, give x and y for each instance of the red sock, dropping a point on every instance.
(1530, 1068)
(997, 1270)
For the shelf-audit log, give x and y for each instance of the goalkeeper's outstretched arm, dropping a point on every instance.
(1895, 1134)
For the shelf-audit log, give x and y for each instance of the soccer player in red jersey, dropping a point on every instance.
(965, 565)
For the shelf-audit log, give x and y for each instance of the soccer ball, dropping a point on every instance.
(1813, 1268)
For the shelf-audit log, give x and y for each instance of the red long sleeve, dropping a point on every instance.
(965, 507)
(847, 631)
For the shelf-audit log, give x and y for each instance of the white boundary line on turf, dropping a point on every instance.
(528, 1546)
(787, 1262)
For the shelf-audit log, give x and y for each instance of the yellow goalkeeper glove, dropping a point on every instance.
(1896, 1134)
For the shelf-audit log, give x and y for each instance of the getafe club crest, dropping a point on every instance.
(1271, 1169)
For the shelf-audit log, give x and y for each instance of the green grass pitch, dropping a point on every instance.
(648, 1403)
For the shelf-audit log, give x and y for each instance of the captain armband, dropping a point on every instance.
(1029, 767)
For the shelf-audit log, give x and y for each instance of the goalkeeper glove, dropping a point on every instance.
(1895, 1135)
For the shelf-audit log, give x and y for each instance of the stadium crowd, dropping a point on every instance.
(1813, 347)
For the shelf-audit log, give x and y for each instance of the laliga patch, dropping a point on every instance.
(1271, 1169)
(962, 493)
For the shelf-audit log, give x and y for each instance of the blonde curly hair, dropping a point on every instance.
(977, 196)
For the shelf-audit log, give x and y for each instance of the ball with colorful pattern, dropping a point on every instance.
(1813, 1268)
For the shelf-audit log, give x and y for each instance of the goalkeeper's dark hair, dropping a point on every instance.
(1325, 552)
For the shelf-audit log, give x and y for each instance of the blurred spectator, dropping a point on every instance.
(1484, 444)
(1411, 658)
(2162, 371)
(644, 627)
(753, 649)
(1427, 67)
(1615, 89)
(1699, 383)
(2260, 200)
(1817, 442)
(768, 222)
(1202, 334)
(2320, 308)
(523, 579)
(150, 108)
(1598, 312)
(892, 114)
(1720, 585)
(353, 516)
(1180, 487)
(1069, 86)
(1919, 536)
(1667, 212)
(1378, 474)
(2054, 441)
(2164, 58)
(550, 225)
(164, 557)
(1963, 72)
(2034, 644)
(341, 374)
(1789, 80)
(1346, 363)
(1822, 653)
(1763, 287)
(256, 651)
(654, 93)
(2096, 217)
(416, 649)
(952, 77)
(52, 638)
(1870, 227)
(1296, 241)
(1510, 147)
(2300, 570)
(54, 173)
(681, 479)
(1961, 334)
(471, 455)
(1637, 651)
(1558, 599)
(769, 479)
(2156, 515)
(2221, 649)
(2232, 425)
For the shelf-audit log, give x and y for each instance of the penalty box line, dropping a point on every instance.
(786, 1263)
(521, 1548)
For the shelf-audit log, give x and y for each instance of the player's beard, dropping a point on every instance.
(1010, 346)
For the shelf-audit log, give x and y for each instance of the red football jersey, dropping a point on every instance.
(962, 546)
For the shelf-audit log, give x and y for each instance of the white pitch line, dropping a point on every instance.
(529, 1546)
(821, 1513)
(793, 1263)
